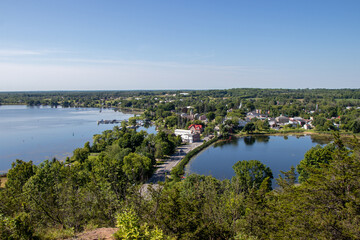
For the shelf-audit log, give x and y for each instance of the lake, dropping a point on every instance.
(39, 133)
(276, 152)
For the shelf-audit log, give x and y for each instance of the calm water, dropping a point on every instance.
(276, 152)
(39, 133)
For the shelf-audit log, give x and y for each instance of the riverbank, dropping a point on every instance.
(130, 110)
(325, 135)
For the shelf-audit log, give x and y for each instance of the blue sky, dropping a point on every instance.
(95, 45)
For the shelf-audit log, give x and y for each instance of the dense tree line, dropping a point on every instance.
(102, 189)
(88, 188)
(324, 206)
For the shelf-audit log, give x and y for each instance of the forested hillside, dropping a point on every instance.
(99, 187)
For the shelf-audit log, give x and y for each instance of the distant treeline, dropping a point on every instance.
(331, 109)
(94, 98)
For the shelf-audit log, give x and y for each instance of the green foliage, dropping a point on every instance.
(208, 130)
(86, 189)
(195, 208)
(12, 198)
(355, 126)
(288, 180)
(249, 127)
(52, 196)
(251, 174)
(165, 144)
(171, 121)
(102, 179)
(210, 116)
(18, 175)
(218, 119)
(316, 157)
(136, 166)
(80, 154)
(323, 207)
(259, 125)
(130, 228)
(55, 233)
(17, 228)
(322, 124)
(132, 121)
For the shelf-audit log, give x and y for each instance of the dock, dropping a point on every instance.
(114, 121)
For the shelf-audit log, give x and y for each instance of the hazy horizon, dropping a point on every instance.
(139, 90)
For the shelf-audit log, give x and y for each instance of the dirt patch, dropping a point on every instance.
(97, 234)
(3, 180)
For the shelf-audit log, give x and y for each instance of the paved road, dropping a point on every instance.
(165, 168)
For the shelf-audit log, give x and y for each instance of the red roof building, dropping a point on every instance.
(196, 128)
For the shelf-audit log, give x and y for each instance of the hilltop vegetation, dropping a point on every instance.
(89, 188)
(56, 199)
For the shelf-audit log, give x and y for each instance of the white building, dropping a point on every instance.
(187, 136)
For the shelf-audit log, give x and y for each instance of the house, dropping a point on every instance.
(256, 114)
(187, 136)
(242, 123)
(297, 121)
(282, 120)
(251, 115)
(272, 122)
(196, 128)
(202, 118)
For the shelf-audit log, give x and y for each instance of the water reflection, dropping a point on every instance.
(262, 139)
(249, 140)
(277, 152)
(321, 139)
(231, 141)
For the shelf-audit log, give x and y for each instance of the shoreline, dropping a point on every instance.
(304, 133)
(329, 136)
(74, 127)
